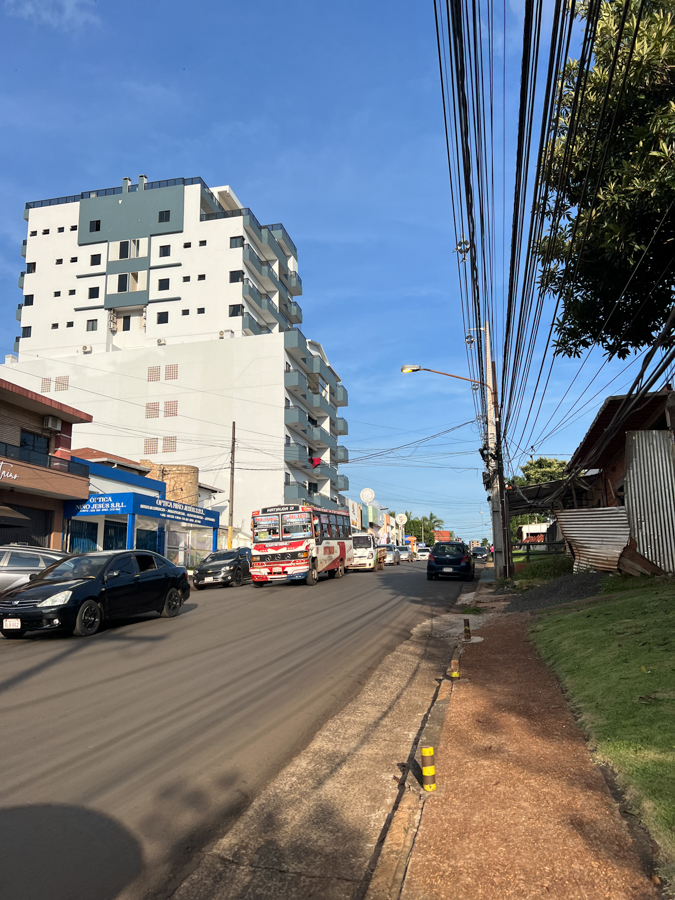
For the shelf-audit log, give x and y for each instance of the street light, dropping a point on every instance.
(407, 369)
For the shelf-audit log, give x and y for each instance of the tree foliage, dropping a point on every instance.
(539, 470)
(414, 525)
(630, 230)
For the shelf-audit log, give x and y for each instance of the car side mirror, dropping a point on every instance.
(114, 574)
(32, 576)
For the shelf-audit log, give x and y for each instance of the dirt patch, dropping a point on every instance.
(556, 592)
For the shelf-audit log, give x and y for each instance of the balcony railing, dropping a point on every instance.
(283, 238)
(23, 454)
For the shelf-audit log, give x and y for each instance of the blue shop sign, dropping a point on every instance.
(142, 505)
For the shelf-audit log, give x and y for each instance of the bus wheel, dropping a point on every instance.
(312, 577)
(340, 571)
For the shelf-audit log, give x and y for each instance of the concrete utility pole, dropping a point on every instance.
(230, 511)
(498, 501)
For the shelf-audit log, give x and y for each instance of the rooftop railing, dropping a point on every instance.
(24, 454)
(109, 192)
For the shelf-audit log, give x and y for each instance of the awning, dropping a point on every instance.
(10, 518)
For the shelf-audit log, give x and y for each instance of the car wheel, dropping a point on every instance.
(312, 577)
(398, 561)
(199, 587)
(172, 604)
(430, 577)
(237, 579)
(88, 619)
(13, 634)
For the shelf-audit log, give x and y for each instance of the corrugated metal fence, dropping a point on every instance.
(650, 495)
(596, 536)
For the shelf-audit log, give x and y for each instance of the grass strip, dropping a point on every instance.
(615, 656)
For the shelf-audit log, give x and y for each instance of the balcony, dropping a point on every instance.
(296, 382)
(341, 426)
(24, 244)
(342, 397)
(320, 405)
(322, 472)
(294, 283)
(318, 367)
(296, 419)
(251, 327)
(296, 345)
(342, 455)
(23, 454)
(295, 492)
(323, 501)
(268, 240)
(18, 312)
(321, 437)
(297, 455)
(283, 239)
(21, 278)
(252, 258)
(292, 311)
(15, 345)
(342, 483)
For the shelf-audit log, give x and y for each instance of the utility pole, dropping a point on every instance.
(498, 501)
(230, 511)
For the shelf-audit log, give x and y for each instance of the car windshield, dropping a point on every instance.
(449, 550)
(221, 555)
(76, 567)
(362, 542)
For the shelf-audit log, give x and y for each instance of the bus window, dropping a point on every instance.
(265, 528)
(317, 529)
(296, 525)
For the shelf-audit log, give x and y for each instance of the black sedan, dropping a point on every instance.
(223, 568)
(450, 558)
(77, 594)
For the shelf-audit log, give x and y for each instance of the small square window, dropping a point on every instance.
(151, 445)
(57, 293)
(168, 445)
(33, 234)
(122, 283)
(185, 312)
(171, 372)
(186, 278)
(200, 310)
(93, 293)
(165, 215)
(28, 299)
(71, 293)
(165, 250)
(95, 259)
(55, 325)
(236, 276)
(162, 318)
(187, 245)
(60, 230)
(237, 310)
(45, 230)
(154, 373)
(236, 242)
(163, 284)
(201, 277)
(69, 324)
(92, 324)
(59, 262)
(152, 410)
(45, 385)
(170, 408)
(202, 243)
(74, 259)
(73, 227)
(61, 382)
(94, 225)
(126, 323)
(26, 331)
(30, 268)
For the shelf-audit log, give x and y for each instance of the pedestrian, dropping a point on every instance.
(492, 551)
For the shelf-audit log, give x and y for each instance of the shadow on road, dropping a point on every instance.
(59, 852)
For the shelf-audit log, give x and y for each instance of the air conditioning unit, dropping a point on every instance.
(221, 334)
(161, 342)
(86, 348)
(51, 423)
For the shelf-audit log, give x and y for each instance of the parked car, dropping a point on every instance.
(225, 568)
(78, 593)
(423, 552)
(393, 556)
(479, 553)
(450, 558)
(18, 563)
(405, 552)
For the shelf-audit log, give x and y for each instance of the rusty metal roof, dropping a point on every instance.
(650, 495)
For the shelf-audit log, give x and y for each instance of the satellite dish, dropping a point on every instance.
(401, 519)
(367, 495)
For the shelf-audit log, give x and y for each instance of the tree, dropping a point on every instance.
(424, 525)
(632, 222)
(536, 471)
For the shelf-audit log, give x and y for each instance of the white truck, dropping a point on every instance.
(367, 554)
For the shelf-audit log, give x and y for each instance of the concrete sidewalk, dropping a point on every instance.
(521, 811)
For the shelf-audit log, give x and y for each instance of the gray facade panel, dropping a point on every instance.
(127, 265)
(121, 301)
(127, 216)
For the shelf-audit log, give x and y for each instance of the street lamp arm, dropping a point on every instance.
(447, 375)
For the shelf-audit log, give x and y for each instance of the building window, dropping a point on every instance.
(201, 277)
(26, 331)
(126, 323)
(152, 410)
(187, 245)
(30, 268)
(124, 250)
(61, 382)
(201, 310)
(45, 230)
(288, 440)
(73, 227)
(165, 250)
(163, 284)
(95, 259)
(236, 242)
(185, 312)
(69, 324)
(154, 373)
(122, 283)
(94, 225)
(151, 445)
(57, 293)
(93, 293)
(92, 324)
(236, 276)
(171, 372)
(236, 310)
(71, 293)
(59, 262)
(37, 443)
(287, 477)
(28, 299)
(162, 318)
(165, 215)
(186, 278)
(287, 403)
(170, 408)
(74, 259)
(312, 487)
(55, 325)
(60, 230)
(202, 243)
(168, 444)
(45, 385)
(33, 233)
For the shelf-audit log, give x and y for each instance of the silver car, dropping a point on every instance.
(18, 563)
(405, 552)
(393, 556)
(423, 552)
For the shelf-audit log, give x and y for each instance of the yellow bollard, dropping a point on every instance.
(467, 630)
(428, 769)
(454, 668)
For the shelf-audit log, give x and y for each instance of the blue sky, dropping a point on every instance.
(326, 117)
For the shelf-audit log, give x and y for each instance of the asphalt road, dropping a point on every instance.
(123, 754)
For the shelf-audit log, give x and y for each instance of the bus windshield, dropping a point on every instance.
(296, 525)
(265, 528)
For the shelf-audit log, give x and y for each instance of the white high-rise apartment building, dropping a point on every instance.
(167, 311)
